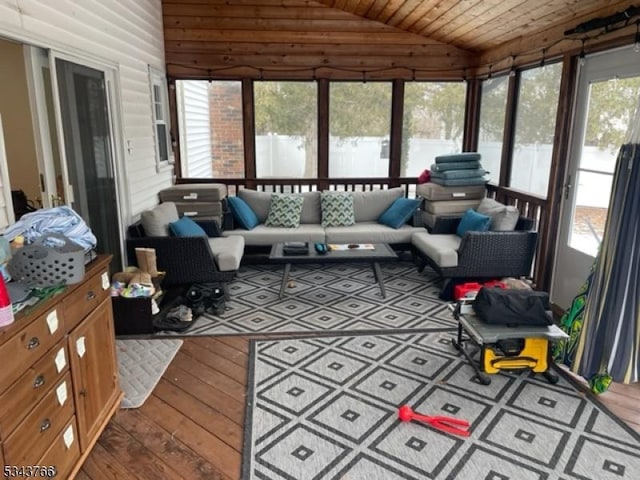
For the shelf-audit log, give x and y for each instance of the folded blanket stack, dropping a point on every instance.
(457, 184)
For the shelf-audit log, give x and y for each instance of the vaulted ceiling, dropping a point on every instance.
(477, 25)
(370, 38)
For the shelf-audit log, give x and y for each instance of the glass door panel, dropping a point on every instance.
(608, 89)
(88, 151)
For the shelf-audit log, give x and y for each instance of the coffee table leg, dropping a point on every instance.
(285, 279)
(377, 273)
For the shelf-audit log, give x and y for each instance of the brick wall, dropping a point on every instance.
(225, 105)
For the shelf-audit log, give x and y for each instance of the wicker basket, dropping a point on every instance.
(39, 265)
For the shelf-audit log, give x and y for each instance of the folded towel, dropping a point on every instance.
(458, 157)
(455, 182)
(443, 167)
(449, 174)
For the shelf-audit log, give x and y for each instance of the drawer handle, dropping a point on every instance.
(45, 425)
(90, 295)
(33, 343)
(39, 381)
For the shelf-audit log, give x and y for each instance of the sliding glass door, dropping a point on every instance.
(88, 151)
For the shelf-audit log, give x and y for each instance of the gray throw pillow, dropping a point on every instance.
(284, 211)
(503, 217)
(337, 209)
(156, 221)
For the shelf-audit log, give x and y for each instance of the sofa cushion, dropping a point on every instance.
(242, 213)
(433, 191)
(337, 209)
(449, 207)
(311, 210)
(263, 235)
(368, 206)
(258, 201)
(473, 221)
(458, 157)
(442, 249)
(370, 232)
(284, 211)
(156, 221)
(227, 251)
(186, 227)
(503, 217)
(399, 212)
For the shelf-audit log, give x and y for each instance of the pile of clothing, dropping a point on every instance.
(62, 220)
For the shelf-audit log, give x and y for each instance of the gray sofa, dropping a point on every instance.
(368, 206)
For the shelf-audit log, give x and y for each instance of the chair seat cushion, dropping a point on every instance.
(371, 232)
(442, 249)
(433, 191)
(227, 251)
(449, 207)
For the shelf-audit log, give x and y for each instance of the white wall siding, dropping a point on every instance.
(125, 33)
(194, 119)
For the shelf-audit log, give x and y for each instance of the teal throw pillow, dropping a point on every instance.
(284, 211)
(242, 213)
(473, 221)
(186, 227)
(399, 212)
(337, 209)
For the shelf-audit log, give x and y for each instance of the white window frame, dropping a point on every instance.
(158, 79)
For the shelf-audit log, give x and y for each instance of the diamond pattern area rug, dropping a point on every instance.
(328, 298)
(327, 408)
(141, 363)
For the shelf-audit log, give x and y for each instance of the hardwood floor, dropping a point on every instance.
(192, 425)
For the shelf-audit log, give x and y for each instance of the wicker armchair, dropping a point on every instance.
(185, 260)
(482, 255)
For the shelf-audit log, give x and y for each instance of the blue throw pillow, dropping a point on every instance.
(242, 213)
(473, 221)
(186, 227)
(399, 212)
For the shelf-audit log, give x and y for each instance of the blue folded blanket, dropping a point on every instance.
(457, 182)
(458, 157)
(450, 174)
(443, 167)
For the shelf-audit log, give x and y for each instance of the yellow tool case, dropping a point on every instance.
(516, 353)
(503, 347)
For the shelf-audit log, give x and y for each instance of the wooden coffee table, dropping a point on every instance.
(381, 252)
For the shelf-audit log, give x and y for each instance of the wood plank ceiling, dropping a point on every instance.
(367, 39)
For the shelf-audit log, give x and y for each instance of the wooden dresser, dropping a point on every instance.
(58, 379)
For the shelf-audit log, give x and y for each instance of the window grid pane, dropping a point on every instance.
(433, 123)
(286, 129)
(535, 128)
(359, 129)
(493, 108)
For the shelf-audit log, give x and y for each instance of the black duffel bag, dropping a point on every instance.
(512, 307)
